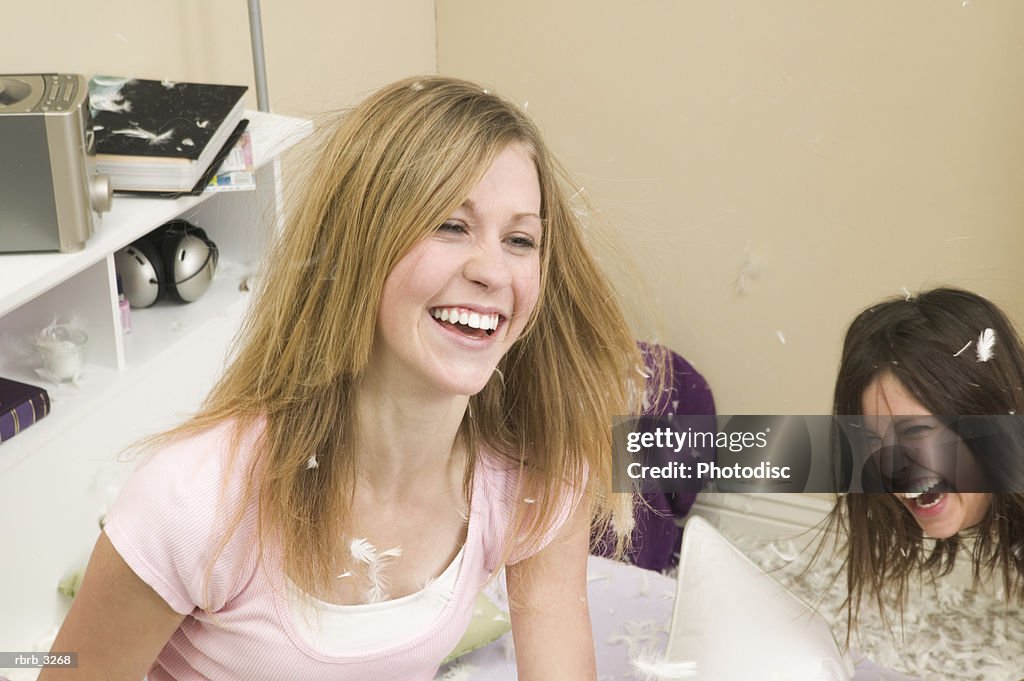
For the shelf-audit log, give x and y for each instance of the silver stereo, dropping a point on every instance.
(50, 194)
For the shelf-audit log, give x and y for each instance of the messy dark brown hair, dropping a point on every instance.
(918, 340)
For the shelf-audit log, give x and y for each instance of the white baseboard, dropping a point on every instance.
(762, 515)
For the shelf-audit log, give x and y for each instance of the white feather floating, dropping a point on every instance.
(363, 551)
(152, 139)
(437, 590)
(459, 671)
(749, 269)
(986, 345)
(655, 668)
(109, 102)
(644, 588)
(375, 594)
(311, 462)
(376, 562)
(788, 554)
(639, 636)
(508, 646)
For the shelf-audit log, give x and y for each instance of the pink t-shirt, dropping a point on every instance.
(167, 524)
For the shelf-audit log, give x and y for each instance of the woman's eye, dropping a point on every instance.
(522, 241)
(915, 431)
(453, 227)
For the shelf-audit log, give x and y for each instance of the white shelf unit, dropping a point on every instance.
(58, 476)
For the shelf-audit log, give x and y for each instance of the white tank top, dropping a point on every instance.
(351, 629)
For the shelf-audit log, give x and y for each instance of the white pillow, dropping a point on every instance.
(739, 624)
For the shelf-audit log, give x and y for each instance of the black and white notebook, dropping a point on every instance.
(162, 136)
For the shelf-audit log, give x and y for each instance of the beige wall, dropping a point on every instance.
(320, 54)
(845, 150)
(838, 151)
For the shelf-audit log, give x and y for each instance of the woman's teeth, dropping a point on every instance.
(454, 315)
(930, 499)
(920, 487)
(928, 492)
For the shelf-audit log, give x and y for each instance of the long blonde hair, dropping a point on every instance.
(388, 172)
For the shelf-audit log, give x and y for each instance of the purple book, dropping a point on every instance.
(21, 405)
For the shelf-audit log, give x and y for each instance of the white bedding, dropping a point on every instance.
(630, 609)
(949, 631)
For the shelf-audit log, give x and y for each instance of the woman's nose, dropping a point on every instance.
(896, 462)
(488, 265)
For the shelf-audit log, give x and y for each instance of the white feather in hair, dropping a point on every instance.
(986, 345)
(961, 350)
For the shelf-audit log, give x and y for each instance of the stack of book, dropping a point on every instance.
(160, 136)
(21, 405)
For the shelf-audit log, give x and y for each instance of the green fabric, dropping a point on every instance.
(489, 623)
(69, 585)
